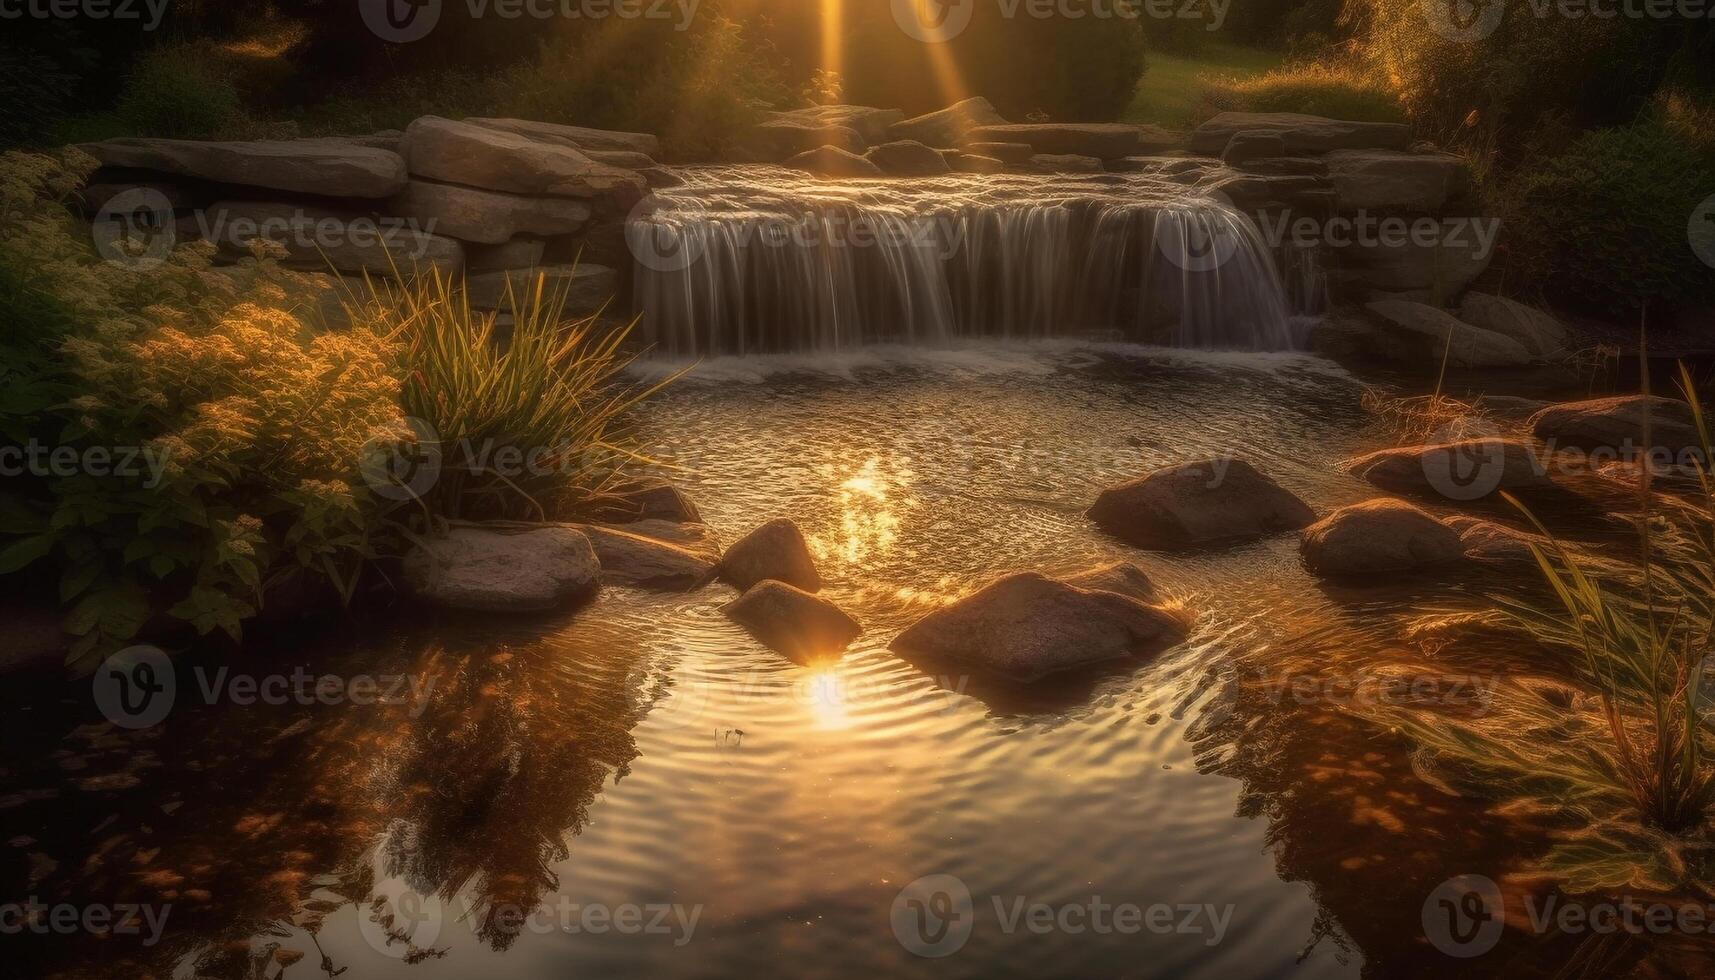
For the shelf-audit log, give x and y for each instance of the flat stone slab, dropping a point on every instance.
(317, 166)
(499, 160)
(587, 287)
(581, 137)
(319, 239)
(1387, 180)
(487, 217)
(1104, 141)
(945, 128)
(831, 161)
(490, 570)
(1301, 133)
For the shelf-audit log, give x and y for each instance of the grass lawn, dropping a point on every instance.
(1172, 86)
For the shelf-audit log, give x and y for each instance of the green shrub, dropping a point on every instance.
(1318, 88)
(178, 92)
(1604, 223)
(241, 429)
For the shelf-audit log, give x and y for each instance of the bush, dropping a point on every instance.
(1605, 222)
(243, 430)
(178, 92)
(1319, 88)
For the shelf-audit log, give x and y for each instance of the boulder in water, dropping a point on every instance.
(1198, 503)
(776, 550)
(832, 161)
(907, 158)
(1617, 424)
(1469, 469)
(950, 126)
(492, 570)
(1027, 625)
(1122, 576)
(628, 558)
(1378, 536)
(1104, 141)
(791, 621)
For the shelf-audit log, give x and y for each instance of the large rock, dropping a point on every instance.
(1155, 139)
(1470, 469)
(908, 158)
(1197, 503)
(487, 217)
(518, 253)
(623, 159)
(1537, 330)
(1103, 141)
(1026, 626)
(576, 136)
(488, 570)
(1496, 544)
(499, 160)
(698, 539)
(804, 627)
(1378, 536)
(1387, 180)
(775, 550)
(628, 558)
(831, 161)
(1121, 576)
(972, 163)
(1253, 145)
(950, 126)
(1301, 133)
(345, 241)
(324, 167)
(1059, 163)
(586, 287)
(869, 123)
(1013, 153)
(1439, 266)
(1617, 424)
(780, 139)
(640, 500)
(1422, 332)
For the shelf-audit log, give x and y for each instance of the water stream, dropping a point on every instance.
(743, 260)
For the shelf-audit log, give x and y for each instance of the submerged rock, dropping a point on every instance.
(1191, 504)
(628, 558)
(1121, 576)
(1381, 535)
(1617, 424)
(494, 570)
(832, 161)
(1027, 625)
(1470, 469)
(775, 550)
(791, 621)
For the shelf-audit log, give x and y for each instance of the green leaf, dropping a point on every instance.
(21, 554)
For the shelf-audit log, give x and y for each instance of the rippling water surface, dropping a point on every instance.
(645, 751)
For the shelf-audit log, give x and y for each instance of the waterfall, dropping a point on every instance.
(743, 260)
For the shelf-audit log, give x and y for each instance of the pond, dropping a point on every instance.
(1223, 809)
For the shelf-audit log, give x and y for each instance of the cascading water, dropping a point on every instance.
(743, 260)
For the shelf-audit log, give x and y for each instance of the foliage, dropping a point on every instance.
(238, 429)
(179, 92)
(1338, 89)
(530, 427)
(1605, 221)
